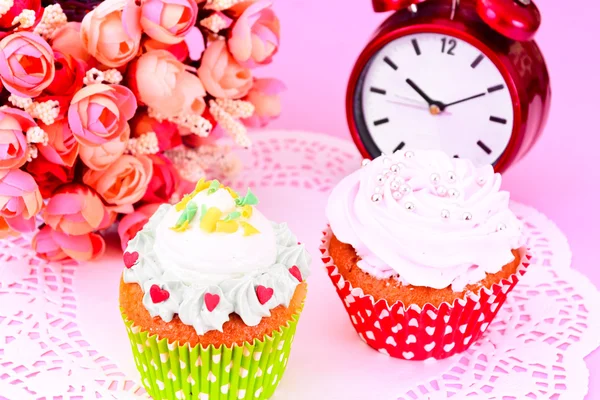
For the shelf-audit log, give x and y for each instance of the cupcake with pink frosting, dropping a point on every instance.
(422, 249)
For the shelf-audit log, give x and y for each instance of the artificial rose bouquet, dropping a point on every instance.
(106, 118)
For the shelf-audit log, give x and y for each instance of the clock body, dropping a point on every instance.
(426, 80)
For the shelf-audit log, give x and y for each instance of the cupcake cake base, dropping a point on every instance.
(420, 332)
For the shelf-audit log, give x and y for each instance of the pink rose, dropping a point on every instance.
(164, 180)
(124, 182)
(254, 37)
(74, 209)
(221, 74)
(99, 113)
(51, 245)
(67, 40)
(68, 79)
(49, 176)
(111, 214)
(168, 21)
(26, 64)
(166, 132)
(264, 95)
(14, 123)
(111, 32)
(132, 223)
(20, 199)
(100, 157)
(62, 147)
(164, 84)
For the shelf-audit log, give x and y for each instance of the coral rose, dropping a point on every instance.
(20, 199)
(221, 74)
(48, 175)
(264, 95)
(26, 64)
(168, 21)
(14, 123)
(62, 147)
(132, 223)
(100, 157)
(179, 50)
(112, 33)
(99, 113)
(124, 182)
(254, 37)
(67, 40)
(74, 209)
(166, 132)
(164, 180)
(51, 245)
(163, 83)
(6, 231)
(68, 79)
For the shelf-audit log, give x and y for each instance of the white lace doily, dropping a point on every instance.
(61, 336)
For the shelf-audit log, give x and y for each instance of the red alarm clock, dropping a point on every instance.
(461, 76)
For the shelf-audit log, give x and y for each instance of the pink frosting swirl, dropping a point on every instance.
(427, 218)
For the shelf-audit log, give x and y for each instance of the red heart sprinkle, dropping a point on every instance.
(295, 271)
(130, 258)
(211, 301)
(264, 294)
(158, 295)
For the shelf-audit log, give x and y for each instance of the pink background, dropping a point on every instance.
(322, 39)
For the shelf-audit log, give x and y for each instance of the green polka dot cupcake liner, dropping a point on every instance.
(170, 371)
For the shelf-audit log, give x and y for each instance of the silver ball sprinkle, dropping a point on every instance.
(380, 179)
(365, 162)
(445, 214)
(376, 198)
(434, 178)
(481, 181)
(441, 191)
(409, 154)
(409, 206)
(404, 189)
(501, 227)
(467, 216)
(394, 168)
(395, 185)
(453, 193)
(451, 177)
(397, 195)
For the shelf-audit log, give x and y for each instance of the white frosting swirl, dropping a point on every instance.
(427, 218)
(192, 264)
(193, 255)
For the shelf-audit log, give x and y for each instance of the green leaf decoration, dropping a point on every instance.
(249, 199)
(232, 216)
(187, 214)
(214, 186)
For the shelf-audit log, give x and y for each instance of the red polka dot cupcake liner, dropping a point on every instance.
(420, 333)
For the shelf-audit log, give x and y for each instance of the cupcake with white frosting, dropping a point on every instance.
(210, 295)
(422, 249)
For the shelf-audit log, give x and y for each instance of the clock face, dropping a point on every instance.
(431, 90)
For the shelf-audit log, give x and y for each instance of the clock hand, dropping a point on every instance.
(415, 106)
(411, 105)
(417, 89)
(462, 100)
(435, 107)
